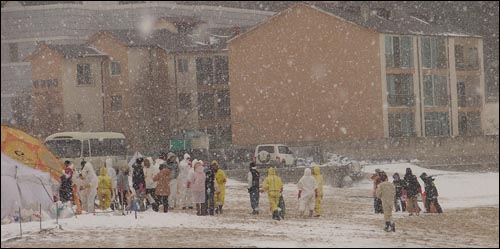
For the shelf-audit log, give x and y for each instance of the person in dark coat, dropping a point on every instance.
(209, 207)
(399, 184)
(139, 182)
(431, 193)
(253, 187)
(377, 203)
(412, 191)
(66, 189)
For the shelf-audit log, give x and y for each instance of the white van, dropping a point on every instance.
(93, 147)
(277, 155)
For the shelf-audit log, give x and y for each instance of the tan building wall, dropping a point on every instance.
(115, 85)
(47, 101)
(305, 75)
(85, 100)
(144, 87)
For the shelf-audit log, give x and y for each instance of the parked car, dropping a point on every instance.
(278, 155)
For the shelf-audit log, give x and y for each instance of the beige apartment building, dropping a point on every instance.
(327, 72)
(67, 85)
(149, 86)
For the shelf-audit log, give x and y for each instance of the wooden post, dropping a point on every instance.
(40, 216)
(57, 213)
(20, 226)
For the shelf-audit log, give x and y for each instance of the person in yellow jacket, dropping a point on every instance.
(274, 186)
(220, 189)
(319, 179)
(104, 188)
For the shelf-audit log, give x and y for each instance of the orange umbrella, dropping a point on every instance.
(30, 151)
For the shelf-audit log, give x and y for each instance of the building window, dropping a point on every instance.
(466, 58)
(13, 52)
(221, 70)
(204, 71)
(401, 125)
(183, 65)
(116, 103)
(400, 90)
(225, 134)
(398, 51)
(115, 68)
(435, 90)
(465, 94)
(469, 123)
(437, 124)
(83, 75)
(223, 104)
(434, 53)
(206, 106)
(185, 101)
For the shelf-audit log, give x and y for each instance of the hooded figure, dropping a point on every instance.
(386, 192)
(149, 172)
(104, 189)
(319, 179)
(185, 199)
(274, 186)
(220, 181)
(197, 182)
(91, 183)
(377, 203)
(112, 174)
(412, 190)
(308, 190)
(173, 166)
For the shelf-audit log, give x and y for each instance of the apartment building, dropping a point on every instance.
(67, 88)
(327, 72)
(25, 25)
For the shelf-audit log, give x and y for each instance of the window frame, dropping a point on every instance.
(78, 79)
(111, 71)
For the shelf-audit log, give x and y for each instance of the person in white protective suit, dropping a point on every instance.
(112, 173)
(183, 183)
(91, 181)
(308, 188)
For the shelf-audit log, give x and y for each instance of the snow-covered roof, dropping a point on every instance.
(75, 50)
(85, 135)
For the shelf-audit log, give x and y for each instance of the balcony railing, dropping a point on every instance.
(401, 100)
(469, 100)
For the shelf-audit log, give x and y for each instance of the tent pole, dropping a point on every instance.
(20, 220)
(40, 216)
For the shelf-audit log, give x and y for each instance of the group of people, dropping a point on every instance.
(310, 191)
(163, 186)
(403, 195)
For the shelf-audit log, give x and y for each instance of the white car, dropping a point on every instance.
(277, 155)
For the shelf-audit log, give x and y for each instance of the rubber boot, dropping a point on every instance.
(220, 209)
(198, 209)
(310, 213)
(393, 227)
(387, 226)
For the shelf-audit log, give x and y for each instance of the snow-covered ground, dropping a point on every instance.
(348, 221)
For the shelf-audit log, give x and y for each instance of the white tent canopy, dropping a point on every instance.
(24, 187)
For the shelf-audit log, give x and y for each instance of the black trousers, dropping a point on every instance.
(254, 198)
(436, 204)
(164, 200)
(377, 204)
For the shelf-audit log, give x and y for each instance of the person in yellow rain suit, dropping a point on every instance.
(274, 186)
(319, 195)
(104, 189)
(220, 190)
